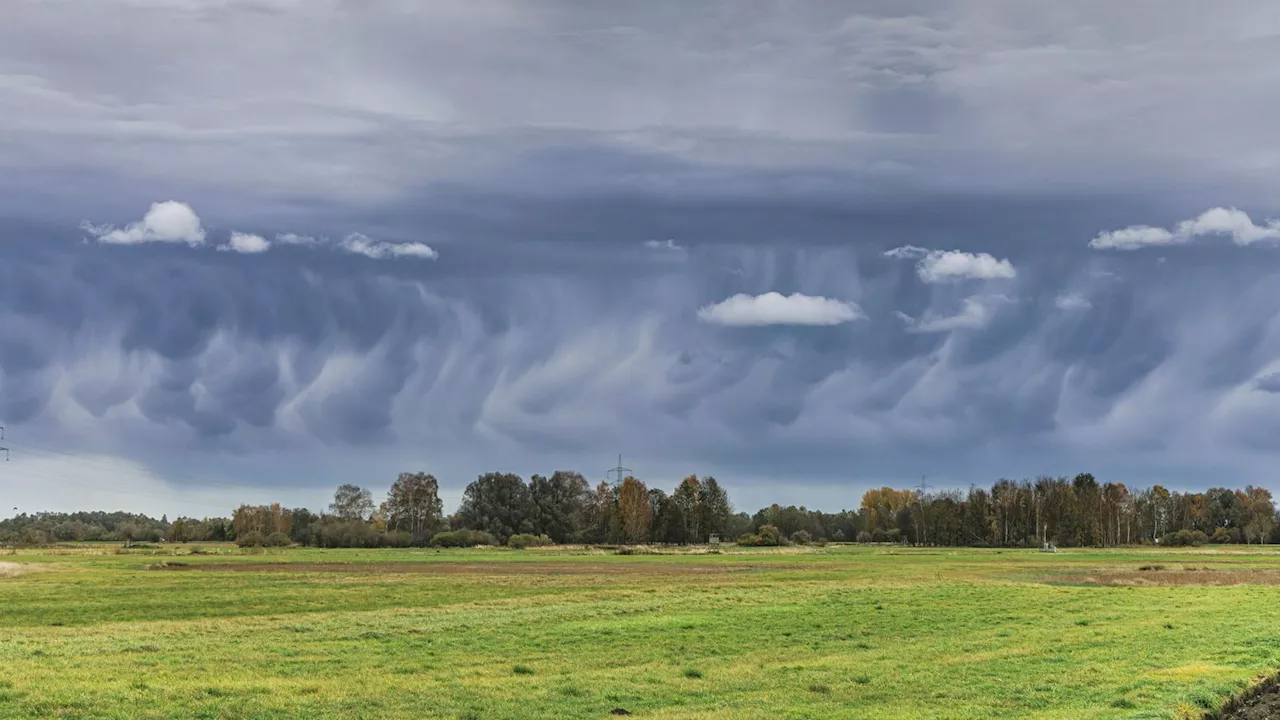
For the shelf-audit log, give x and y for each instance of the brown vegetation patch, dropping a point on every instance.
(1174, 576)
(443, 568)
(11, 569)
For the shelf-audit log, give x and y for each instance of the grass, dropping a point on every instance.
(835, 632)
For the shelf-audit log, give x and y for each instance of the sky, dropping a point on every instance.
(252, 249)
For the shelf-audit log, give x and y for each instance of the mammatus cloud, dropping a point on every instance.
(1214, 221)
(938, 266)
(974, 314)
(1071, 302)
(168, 221)
(246, 243)
(360, 244)
(773, 308)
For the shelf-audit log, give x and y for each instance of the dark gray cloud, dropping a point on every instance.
(548, 153)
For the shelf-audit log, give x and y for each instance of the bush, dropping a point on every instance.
(253, 538)
(801, 537)
(766, 536)
(397, 539)
(1185, 538)
(864, 537)
(277, 539)
(521, 541)
(462, 538)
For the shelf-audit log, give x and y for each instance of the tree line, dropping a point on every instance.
(502, 508)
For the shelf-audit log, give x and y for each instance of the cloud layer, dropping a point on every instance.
(545, 158)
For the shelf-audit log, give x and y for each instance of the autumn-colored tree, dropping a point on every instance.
(633, 505)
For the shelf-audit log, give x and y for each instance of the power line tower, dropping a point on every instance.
(618, 471)
(5, 449)
(924, 518)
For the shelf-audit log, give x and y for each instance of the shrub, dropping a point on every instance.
(397, 539)
(1185, 538)
(253, 538)
(766, 536)
(801, 537)
(693, 673)
(462, 538)
(1219, 536)
(864, 537)
(521, 541)
(522, 670)
(277, 539)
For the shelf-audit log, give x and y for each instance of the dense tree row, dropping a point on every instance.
(1077, 512)
(565, 508)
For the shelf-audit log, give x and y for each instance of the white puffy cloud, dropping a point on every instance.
(361, 244)
(1070, 302)
(773, 308)
(1230, 221)
(974, 314)
(1214, 221)
(246, 243)
(937, 266)
(942, 266)
(168, 221)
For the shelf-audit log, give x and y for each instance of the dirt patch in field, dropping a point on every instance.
(11, 569)
(1174, 576)
(523, 568)
(1261, 702)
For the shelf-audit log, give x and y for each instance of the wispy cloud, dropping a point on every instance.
(773, 308)
(168, 221)
(296, 239)
(1071, 302)
(667, 244)
(1228, 221)
(975, 313)
(361, 244)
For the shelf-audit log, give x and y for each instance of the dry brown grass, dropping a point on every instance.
(449, 568)
(1174, 576)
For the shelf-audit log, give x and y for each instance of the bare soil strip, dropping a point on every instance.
(1260, 702)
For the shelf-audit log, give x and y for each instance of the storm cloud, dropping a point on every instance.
(807, 248)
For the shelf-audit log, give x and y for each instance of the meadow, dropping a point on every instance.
(832, 632)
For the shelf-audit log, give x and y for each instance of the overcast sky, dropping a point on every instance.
(252, 249)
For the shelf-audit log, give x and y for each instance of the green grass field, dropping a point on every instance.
(836, 632)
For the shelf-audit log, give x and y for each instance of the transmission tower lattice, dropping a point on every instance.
(618, 471)
(5, 449)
